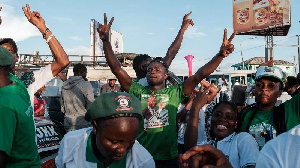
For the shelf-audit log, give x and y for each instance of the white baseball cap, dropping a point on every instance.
(270, 71)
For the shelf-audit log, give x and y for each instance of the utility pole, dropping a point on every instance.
(295, 65)
(269, 51)
(298, 53)
(242, 51)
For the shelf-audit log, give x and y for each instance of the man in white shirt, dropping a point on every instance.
(223, 89)
(34, 80)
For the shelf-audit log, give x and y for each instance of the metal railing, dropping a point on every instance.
(35, 60)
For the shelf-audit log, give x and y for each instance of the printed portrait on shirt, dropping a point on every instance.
(154, 110)
(262, 133)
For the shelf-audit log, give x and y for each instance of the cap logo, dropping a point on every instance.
(269, 69)
(123, 103)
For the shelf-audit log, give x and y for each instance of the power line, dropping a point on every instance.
(264, 45)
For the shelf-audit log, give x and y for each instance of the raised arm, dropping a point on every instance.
(212, 90)
(191, 133)
(62, 76)
(60, 57)
(183, 112)
(175, 46)
(225, 49)
(111, 59)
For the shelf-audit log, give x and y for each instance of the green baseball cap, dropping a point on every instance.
(113, 103)
(6, 58)
(269, 71)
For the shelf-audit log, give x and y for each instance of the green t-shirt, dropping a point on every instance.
(158, 133)
(17, 131)
(262, 128)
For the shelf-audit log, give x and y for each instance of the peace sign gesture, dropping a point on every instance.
(226, 47)
(103, 30)
(35, 18)
(186, 22)
(204, 94)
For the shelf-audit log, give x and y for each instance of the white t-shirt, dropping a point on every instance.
(221, 84)
(284, 97)
(72, 152)
(41, 77)
(282, 151)
(202, 138)
(240, 149)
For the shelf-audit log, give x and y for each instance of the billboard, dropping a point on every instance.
(115, 38)
(259, 17)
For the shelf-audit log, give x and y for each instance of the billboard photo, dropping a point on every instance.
(256, 16)
(115, 38)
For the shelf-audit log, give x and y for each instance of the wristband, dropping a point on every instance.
(44, 34)
(49, 38)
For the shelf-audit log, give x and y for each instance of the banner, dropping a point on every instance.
(48, 135)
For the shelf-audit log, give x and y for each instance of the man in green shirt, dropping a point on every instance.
(17, 132)
(262, 119)
(158, 132)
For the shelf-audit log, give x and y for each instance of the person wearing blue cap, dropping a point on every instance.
(158, 133)
(17, 132)
(262, 119)
(115, 117)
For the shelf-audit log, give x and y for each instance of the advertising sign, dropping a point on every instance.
(48, 135)
(256, 15)
(115, 38)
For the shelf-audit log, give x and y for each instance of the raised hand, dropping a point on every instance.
(226, 47)
(35, 18)
(204, 94)
(206, 155)
(103, 30)
(186, 22)
(0, 16)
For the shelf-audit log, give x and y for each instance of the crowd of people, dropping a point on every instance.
(147, 122)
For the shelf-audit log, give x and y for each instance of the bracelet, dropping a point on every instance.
(44, 34)
(49, 38)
